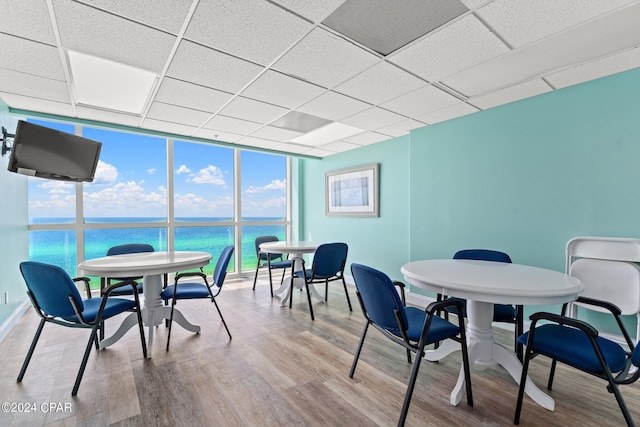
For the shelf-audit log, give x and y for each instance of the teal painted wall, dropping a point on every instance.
(14, 236)
(381, 242)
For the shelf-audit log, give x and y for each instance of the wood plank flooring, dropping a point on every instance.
(280, 369)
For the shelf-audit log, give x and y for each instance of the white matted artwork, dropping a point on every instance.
(352, 191)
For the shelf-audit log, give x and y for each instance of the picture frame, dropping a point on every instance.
(352, 192)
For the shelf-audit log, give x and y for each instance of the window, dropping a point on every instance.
(264, 186)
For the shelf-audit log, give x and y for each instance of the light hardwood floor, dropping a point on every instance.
(280, 369)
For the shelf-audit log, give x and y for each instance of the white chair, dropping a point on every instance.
(607, 267)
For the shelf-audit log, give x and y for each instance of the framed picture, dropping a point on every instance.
(352, 191)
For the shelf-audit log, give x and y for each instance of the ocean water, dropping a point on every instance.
(59, 246)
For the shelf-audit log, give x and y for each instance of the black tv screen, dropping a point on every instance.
(48, 153)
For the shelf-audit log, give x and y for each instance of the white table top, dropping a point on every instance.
(289, 246)
(495, 282)
(144, 263)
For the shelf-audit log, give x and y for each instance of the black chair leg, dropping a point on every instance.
(552, 373)
(344, 285)
(358, 350)
(171, 321)
(141, 327)
(523, 381)
(222, 318)
(519, 330)
(411, 385)
(271, 282)
(306, 285)
(83, 365)
(255, 278)
(27, 359)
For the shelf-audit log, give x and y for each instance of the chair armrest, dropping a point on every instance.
(401, 286)
(564, 320)
(599, 303)
(86, 281)
(116, 285)
(190, 274)
(440, 305)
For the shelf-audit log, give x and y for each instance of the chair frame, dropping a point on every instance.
(417, 347)
(622, 377)
(95, 326)
(262, 256)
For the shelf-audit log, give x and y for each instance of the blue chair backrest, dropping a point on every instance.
(51, 287)
(266, 239)
(220, 272)
(130, 248)
(329, 259)
(379, 297)
(482, 255)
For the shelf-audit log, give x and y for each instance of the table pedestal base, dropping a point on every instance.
(153, 313)
(284, 291)
(483, 350)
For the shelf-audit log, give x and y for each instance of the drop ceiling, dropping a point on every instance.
(265, 74)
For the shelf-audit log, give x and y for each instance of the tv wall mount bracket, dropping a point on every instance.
(6, 147)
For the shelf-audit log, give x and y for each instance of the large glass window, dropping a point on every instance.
(207, 239)
(249, 234)
(131, 179)
(54, 247)
(203, 182)
(264, 186)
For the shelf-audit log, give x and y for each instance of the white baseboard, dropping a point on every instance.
(8, 324)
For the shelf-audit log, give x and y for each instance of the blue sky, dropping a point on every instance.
(131, 180)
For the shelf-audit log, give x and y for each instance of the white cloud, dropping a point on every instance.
(209, 175)
(183, 169)
(57, 187)
(125, 198)
(151, 171)
(105, 174)
(275, 185)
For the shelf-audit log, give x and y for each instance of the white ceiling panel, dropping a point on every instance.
(339, 146)
(185, 94)
(400, 128)
(279, 89)
(252, 141)
(421, 101)
(88, 30)
(456, 47)
(511, 94)
(168, 127)
(216, 135)
(166, 15)
(33, 86)
(318, 152)
(291, 148)
(223, 26)
(15, 13)
(275, 134)
(175, 114)
(380, 83)
(615, 63)
(334, 106)
(27, 103)
(207, 67)
(315, 10)
(459, 110)
(325, 59)
(373, 118)
(107, 116)
(250, 109)
(30, 57)
(524, 22)
(232, 125)
(367, 138)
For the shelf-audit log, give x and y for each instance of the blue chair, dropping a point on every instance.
(56, 300)
(195, 290)
(410, 327)
(329, 261)
(501, 312)
(128, 248)
(269, 261)
(577, 344)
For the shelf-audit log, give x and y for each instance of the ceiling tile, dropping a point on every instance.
(339, 146)
(317, 152)
(315, 10)
(250, 109)
(30, 57)
(421, 101)
(299, 122)
(168, 127)
(15, 13)
(510, 94)
(21, 102)
(257, 142)
(400, 128)
(593, 70)
(185, 94)
(216, 135)
(380, 83)
(151, 13)
(373, 118)
(207, 67)
(367, 138)
(459, 110)
(175, 114)
(231, 125)
(523, 22)
(334, 106)
(291, 148)
(105, 116)
(275, 134)
(223, 25)
(325, 59)
(279, 89)
(33, 86)
(85, 29)
(454, 48)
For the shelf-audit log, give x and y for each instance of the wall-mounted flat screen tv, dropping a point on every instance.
(48, 153)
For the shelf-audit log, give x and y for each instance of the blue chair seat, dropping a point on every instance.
(281, 264)
(188, 290)
(126, 290)
(504, 313)
(572, 347)
(440, 329)
(309, 273)
(113, 307)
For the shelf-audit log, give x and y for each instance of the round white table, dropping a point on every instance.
(151, 266)
(483, 283)
(296, 249)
